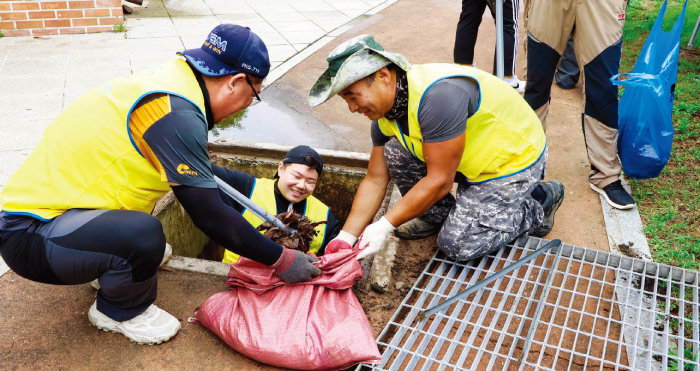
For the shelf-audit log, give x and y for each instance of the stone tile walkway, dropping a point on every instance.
(41, 76)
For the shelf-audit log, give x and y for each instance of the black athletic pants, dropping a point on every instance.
(120, 247)
(468, 28)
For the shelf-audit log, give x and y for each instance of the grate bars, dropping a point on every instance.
(570, 308)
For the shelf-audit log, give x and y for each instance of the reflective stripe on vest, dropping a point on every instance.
(504, 136)
(264, 196)
(87, 159)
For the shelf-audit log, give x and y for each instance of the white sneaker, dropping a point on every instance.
(166, 256)
(153, 326)
(518, 85)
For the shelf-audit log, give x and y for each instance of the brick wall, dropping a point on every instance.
(51, 17)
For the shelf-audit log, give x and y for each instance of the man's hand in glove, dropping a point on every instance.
(372, 238)
(295, 266)
(344, 240)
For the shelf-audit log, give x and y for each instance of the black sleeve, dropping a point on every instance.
(179, 141)
(240, 181)
(225, 226)
(378, 138)
(333, 227)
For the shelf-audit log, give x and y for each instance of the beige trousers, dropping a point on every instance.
(596, 25)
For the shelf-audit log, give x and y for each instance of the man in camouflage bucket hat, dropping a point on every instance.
(349, 62)
(433, 125)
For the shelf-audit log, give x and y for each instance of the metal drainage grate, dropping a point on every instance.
(602, 311)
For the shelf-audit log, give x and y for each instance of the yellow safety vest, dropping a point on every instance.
(264, 196)
(87, 157)
(504, 136)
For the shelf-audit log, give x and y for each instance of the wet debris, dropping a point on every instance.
(626, 249)
(305, 231)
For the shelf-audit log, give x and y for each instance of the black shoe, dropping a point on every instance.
(555, 194)
(616, 195)
(416, 229)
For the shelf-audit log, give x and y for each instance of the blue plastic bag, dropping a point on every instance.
(644, 125)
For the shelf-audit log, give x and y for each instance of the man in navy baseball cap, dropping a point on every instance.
(229, 49)
(155, 124)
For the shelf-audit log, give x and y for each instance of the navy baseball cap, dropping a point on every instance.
(229, 49)
(304, 155)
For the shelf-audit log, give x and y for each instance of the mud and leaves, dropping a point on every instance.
(300, 241)
(306, 231)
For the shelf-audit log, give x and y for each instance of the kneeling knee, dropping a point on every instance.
(462, 248)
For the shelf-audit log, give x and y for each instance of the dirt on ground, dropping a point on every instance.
(411, 259)
(46, 327)
(579, 220)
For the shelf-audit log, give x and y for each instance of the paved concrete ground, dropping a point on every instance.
(39, 77)
(579, 220)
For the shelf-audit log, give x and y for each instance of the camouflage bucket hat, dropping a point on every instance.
(349, 62)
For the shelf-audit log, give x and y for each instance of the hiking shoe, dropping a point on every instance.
(555, 194)
(153, 326)
(518, 85)
(166, 256)
(416, 229)
(616, 195)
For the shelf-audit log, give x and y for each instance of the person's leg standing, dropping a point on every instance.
(510, 39)
(467, 30)
(526, 6)
(549, 27)
(488, 215)
(598, 45)
(568, 72)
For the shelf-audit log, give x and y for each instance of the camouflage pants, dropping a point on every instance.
(483, 217)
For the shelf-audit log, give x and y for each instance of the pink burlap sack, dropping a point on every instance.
(317, 325)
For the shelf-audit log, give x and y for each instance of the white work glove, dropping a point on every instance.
(372, 238)
(342, 241)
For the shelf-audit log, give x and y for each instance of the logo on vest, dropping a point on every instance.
(184, 169)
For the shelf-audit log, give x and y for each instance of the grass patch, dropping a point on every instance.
(669, 204)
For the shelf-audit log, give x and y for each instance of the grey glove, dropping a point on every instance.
(295, 266)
